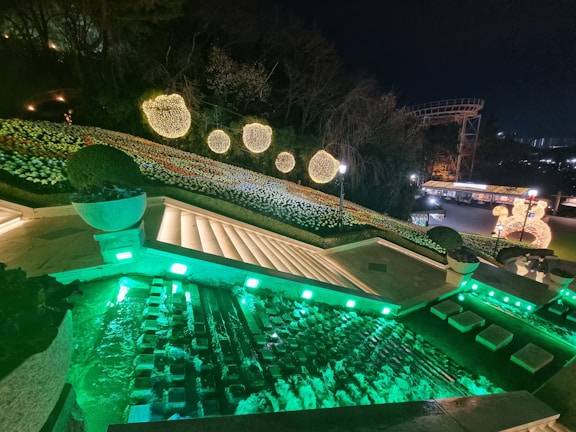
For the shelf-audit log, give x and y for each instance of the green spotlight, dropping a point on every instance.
(461, 297)
(120, 256)
(386, 311)
(307, 294)
(529, 307)
(491, 293)
(252, 282)
(350, 303)
(517, 303)
(178, 268)
(475, 287)
(506, 299)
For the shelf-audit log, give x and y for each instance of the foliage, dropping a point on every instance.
(264, 201)
(104, 192)
(95, 165)
(235, 82)
(448, 238)
(463, 254)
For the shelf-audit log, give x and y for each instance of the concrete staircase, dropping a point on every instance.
(8, 218)
(197, 229)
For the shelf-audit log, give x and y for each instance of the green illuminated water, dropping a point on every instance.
(218, 352)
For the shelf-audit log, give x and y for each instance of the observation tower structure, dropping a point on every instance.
(466, 113)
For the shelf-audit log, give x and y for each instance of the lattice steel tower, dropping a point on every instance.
(465, 112)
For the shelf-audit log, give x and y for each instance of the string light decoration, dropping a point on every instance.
(167, 115)
(285, 162)
(218, 141)
(257, 137)
(518, 221)
(323, 167)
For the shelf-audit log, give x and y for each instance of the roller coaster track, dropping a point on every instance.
(465, 112)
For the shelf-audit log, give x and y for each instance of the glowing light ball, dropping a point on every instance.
(257, 137)
(285, 162)
(218, 141)
(323, 167)
(168, 115)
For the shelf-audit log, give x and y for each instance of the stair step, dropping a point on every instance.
(207, 237)
(170, 228)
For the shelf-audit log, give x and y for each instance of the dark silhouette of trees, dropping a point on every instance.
(229, 60)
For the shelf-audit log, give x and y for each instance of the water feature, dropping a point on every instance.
(149, 349)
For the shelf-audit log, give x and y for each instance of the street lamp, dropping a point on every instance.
(499, 229)
(532, 199)
(415, 179)
(342, 170)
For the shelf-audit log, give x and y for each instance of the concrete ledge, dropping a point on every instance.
(532, 358)
(494, 337)
(445, 309)
(466, 321)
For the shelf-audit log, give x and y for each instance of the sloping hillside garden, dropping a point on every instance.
(36, 153)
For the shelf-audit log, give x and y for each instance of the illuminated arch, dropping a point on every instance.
(518, 221)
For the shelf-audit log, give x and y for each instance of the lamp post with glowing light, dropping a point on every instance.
(531, 201)
(342, 170)
(499, 229)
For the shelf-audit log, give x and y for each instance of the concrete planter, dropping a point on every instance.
(30, 392)
(560, 280)
(112, 215)
(461, 267)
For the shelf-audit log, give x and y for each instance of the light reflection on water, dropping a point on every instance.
(403, 365)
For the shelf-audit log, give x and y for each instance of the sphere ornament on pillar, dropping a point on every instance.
(285, 162)
(323, 167)
(168, 115)
(257, 137)
(218, 141)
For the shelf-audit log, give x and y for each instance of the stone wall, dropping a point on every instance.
(30, 392)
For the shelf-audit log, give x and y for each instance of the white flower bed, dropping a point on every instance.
(298, 205)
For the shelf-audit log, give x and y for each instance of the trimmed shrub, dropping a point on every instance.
(446, 237)
(97, 165)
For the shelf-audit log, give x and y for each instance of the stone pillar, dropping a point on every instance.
(130, 241)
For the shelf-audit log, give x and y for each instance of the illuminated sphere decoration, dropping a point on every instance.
(168, 115)
(257, 137)
(323, 167)
(218, 141)
(285, 162)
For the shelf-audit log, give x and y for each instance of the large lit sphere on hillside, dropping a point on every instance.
(323, 167)
(285, 162)
(168, 115)
(257, 137)
(218, 141)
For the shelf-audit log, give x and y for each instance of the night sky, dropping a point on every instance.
(517, 55)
